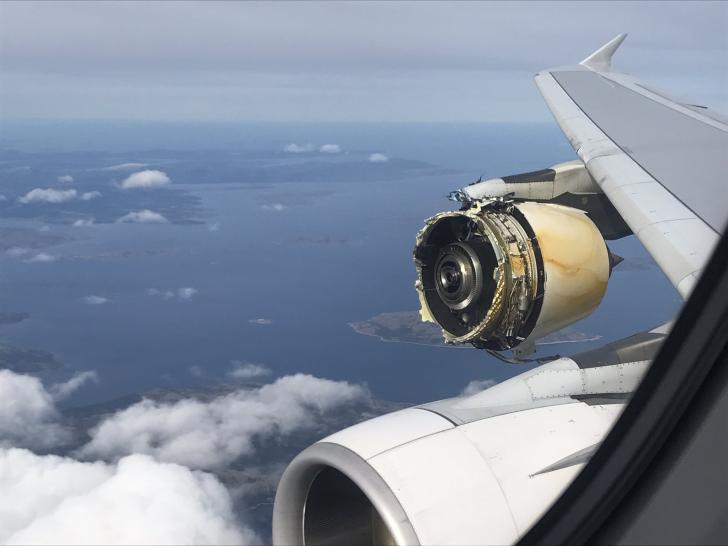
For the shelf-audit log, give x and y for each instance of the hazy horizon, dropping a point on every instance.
(364, 61)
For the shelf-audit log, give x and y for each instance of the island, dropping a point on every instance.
(23, 360)
(15, 237)
(13, 318)
(407, 327)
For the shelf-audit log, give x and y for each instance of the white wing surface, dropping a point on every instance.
(663, 164)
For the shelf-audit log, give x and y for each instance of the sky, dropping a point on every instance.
(309, 61)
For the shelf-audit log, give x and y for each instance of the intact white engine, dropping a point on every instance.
(479, 469)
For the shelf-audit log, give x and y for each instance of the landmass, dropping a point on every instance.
(401, 327)
(407, 327)
(13, 318)
(11, 237)
(568, 335)
(22, 360)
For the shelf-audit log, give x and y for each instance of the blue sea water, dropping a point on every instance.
(306, 242)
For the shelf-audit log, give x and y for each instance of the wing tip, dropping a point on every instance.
(601, 59)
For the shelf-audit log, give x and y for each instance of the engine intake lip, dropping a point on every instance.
(293, 491)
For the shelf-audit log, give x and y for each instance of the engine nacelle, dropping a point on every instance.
(503, 274)
(477, 469)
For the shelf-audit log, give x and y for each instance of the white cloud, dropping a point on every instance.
(48, 195)
(330, 149)
(125, 167)
(294, 148)
(25, 253)
(28, 415)
(378, 158)
(261, 321)
(186, 293)
(247, 370)
(197, 371)
(146, 179)
(41, 257)
(17, 251)
(139, 493)
(207, 435)
(3, 197)
(83, 222)
(145, 216)
(61, 391)
(95, 300)
(278, 207)
(215, 226)
(477, 385)
(65, 179)
(182, 294)
(58, 500)
(87, 196)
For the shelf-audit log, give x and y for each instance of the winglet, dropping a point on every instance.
(601, 59)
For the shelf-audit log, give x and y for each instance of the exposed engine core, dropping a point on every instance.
(502, 274)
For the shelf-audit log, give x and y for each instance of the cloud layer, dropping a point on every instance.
(50, 195)
(41, 257)
(276, 207)
(294, 148)
(208, 435)
(183, 294)
(261, 321)
(315, 61)
(52, 500)
(95, 300)
(247, 370)
(124, 167)
(186, 293)
(61, 391)
(146, 179)
(145, 216)
(28, 415)
(131, 486)
(87, 196)
(477, 385)
(330, 149)
(47, 499)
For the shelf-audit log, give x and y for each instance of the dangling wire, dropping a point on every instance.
(541, 360)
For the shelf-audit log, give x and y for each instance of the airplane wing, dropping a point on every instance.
(663, 164)
(524, 256)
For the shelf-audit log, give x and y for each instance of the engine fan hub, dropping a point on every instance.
(458, 276)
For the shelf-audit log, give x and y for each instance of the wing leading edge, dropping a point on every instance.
(661, 163)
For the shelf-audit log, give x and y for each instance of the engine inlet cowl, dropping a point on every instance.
(499, 275)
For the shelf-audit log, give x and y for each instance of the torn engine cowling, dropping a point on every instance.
(501, 274)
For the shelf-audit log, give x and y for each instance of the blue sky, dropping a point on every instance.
(338, 61)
